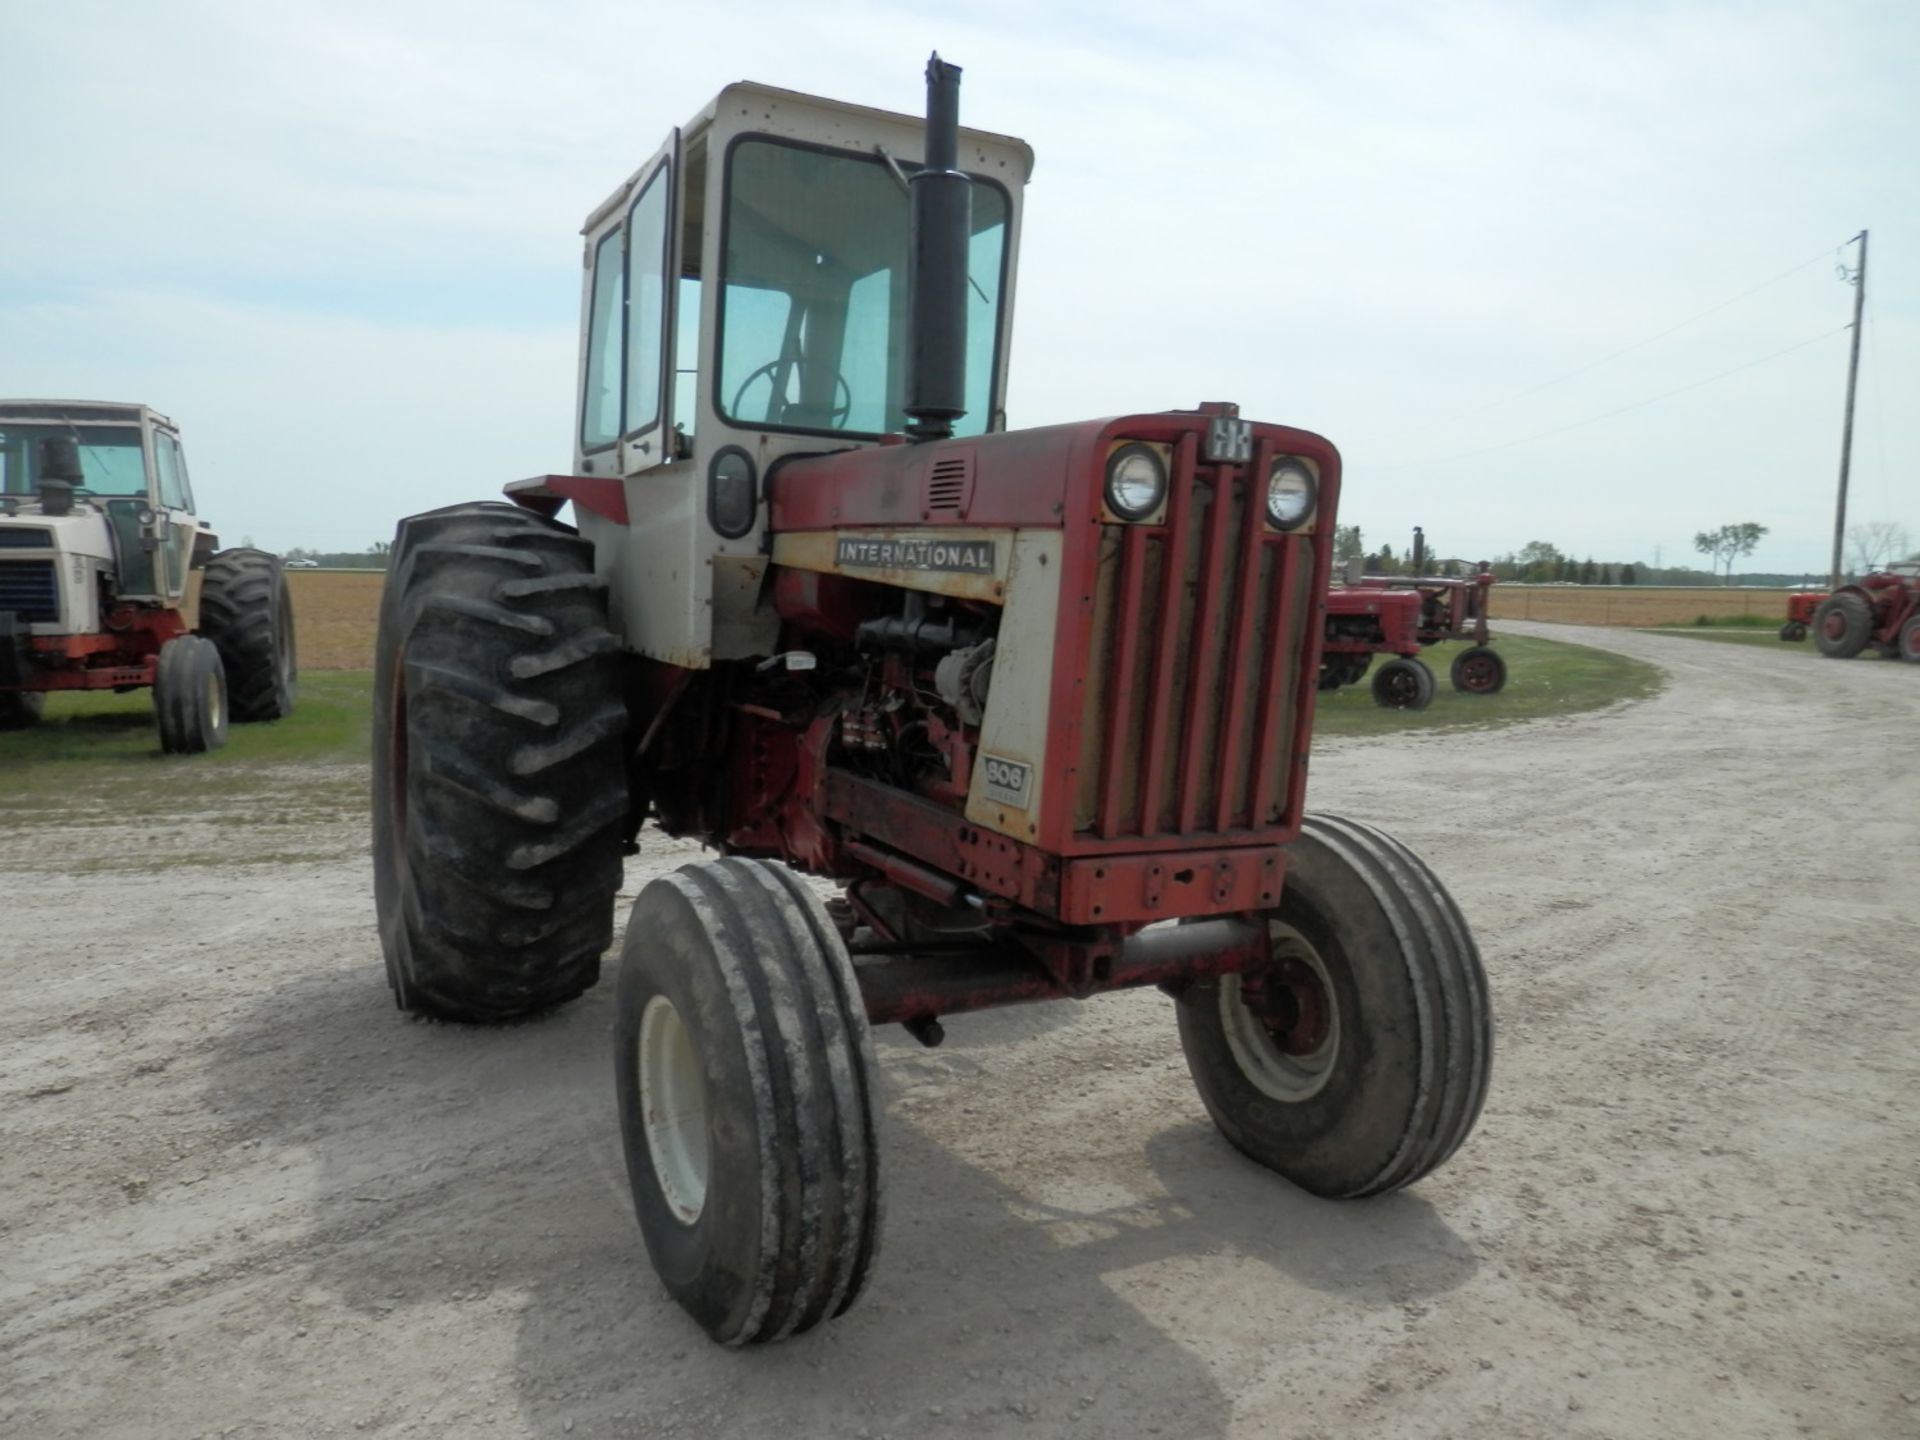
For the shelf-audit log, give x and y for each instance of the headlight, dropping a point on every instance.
(145, 516)
(1290, 494)
(1136, 481)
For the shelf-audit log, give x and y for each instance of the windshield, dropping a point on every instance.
(813, 321)
(110, 457)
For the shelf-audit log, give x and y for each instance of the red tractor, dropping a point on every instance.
(1037, 702)
(1882, 610)
(1801, 607)
(1451, 609)
(1369, 620)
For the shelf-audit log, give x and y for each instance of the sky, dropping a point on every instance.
(338, 241)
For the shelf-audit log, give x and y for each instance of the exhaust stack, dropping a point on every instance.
(940, 231)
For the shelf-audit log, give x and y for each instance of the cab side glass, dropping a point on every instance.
(600, 402)
(173, 484)
(646, 304)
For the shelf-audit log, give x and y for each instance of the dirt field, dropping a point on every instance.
(1634, 604)
(240, 1196)
(336, 613)
(336, 610)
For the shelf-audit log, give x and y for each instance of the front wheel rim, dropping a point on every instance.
(673, 1109)
(1289, 1051)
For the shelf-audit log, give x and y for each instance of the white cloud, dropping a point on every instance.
(357, 222)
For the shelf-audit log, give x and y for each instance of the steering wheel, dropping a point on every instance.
(836, 417)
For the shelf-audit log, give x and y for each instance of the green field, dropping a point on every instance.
(1545, 678)
(92, 750)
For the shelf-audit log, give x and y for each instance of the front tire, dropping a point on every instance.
(190, 696)
(1403, 684)
(499, 787)
(1793, 631)
(1358, 1062)
(1842, 625)
(742, 1064)
(1910, 640)
(246, 611)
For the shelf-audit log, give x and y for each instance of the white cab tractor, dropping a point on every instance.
(98, 537)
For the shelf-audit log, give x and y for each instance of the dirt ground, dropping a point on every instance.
(241, 1196)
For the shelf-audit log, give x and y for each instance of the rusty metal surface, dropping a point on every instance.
(906, 988)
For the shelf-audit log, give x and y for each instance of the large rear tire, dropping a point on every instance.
(246, 611)
(499, 787)
(1479, 670)
(1842, 625)
(1358, 1062)
(190, 696)
(20, 709)
(742, 1064)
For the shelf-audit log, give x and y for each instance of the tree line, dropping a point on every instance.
(1541, 562)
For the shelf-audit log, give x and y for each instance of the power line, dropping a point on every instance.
(1614, 355)
(1636, 405)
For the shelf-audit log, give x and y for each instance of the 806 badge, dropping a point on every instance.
(1008, 781)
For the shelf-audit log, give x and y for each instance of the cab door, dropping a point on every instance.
(652, 229)
(175, 524)
(626, 372)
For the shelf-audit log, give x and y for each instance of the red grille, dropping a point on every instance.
(1189, 717)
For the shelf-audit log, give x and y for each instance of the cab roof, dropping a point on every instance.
(92, 412)
(860, 121)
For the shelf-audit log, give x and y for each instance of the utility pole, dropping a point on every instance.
(1859, 281)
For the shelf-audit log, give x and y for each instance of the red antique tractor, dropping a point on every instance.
(1882, 610)
(1452, 609)
(1038, 702)
(1370, 620)
(1801, 607)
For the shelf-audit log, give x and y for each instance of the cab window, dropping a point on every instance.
(600, 400)
(173, 480)
(646, 304)
(813, 305)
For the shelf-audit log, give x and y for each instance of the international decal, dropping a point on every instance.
(958, 557)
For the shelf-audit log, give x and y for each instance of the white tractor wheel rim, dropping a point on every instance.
(673, 1109)
(1286, 1078)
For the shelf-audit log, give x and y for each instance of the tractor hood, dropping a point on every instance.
(82, 531)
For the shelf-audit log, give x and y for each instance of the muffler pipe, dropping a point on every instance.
(940, 231)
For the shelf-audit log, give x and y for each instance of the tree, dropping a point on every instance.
(1587, 571)
(1628, 575)
(1347, 543)
(378, 547)
(1872, 544)
(1728, 544)
(1536, 561)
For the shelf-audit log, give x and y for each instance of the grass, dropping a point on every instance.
(95, 760)
(1545, 678)
(94, 750)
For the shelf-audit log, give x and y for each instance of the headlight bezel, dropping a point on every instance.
(1126, 451)
(1309, 488)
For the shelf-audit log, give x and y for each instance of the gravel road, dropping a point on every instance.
(241, 1196)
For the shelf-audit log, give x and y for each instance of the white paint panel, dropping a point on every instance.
(1018, 704)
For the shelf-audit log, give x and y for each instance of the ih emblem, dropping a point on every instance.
(1229, 440)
